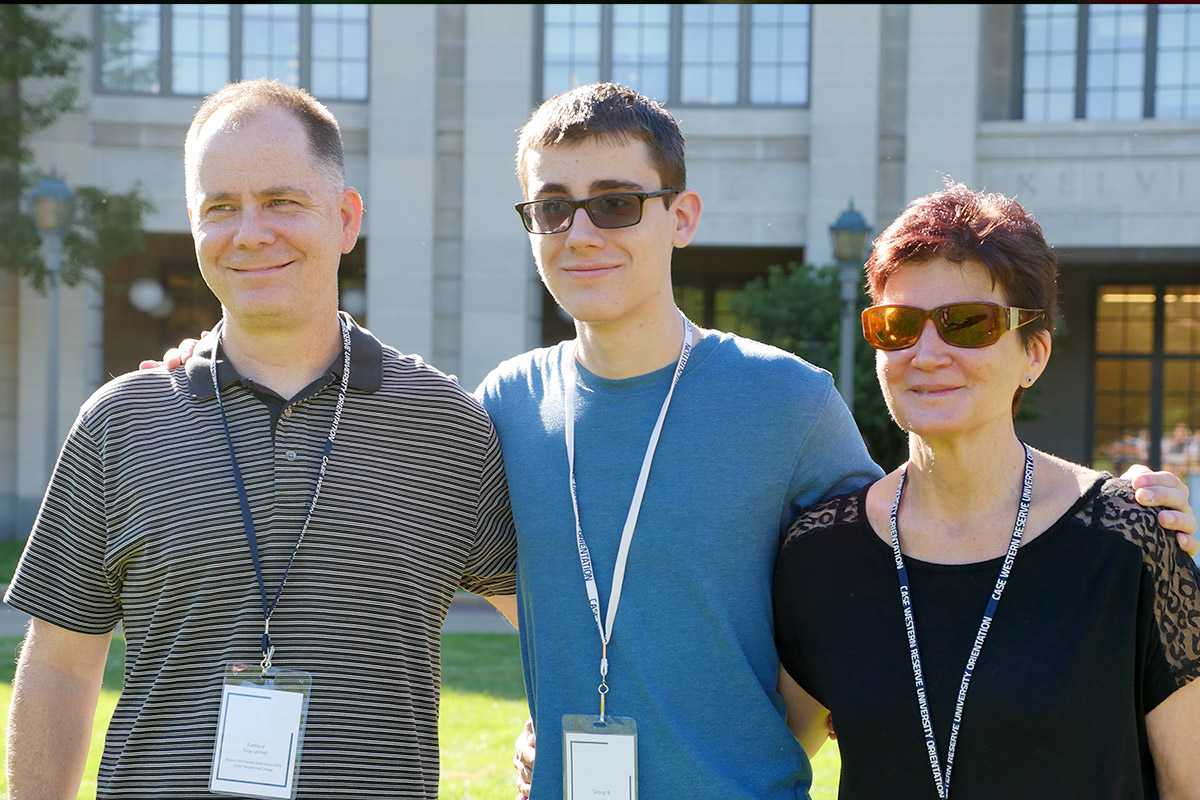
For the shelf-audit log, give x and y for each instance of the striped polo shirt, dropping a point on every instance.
(141, 525)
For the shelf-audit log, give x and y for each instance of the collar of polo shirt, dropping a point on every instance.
(366, 364)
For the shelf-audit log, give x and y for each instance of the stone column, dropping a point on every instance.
(943, 96)
(400, 166)
(844, 119)
(497, 265)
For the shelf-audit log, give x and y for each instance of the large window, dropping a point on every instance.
(181, 49)
(711, 55)
(1146, 384)
(570, 46)
(1177, 70)
(129, 48)
(199, 48)
(1109, 61)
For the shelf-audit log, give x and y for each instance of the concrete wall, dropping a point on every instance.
(498, 315)
(448, 187)
(400, 181)
(752, 170)
(943, 92)
(844, 119)
(1100, 184)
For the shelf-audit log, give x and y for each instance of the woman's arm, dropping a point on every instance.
(807, 718)
(1173, 728)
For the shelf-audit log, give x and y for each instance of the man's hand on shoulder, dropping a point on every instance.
(1165, 490)
(175, 356)
(523, 760)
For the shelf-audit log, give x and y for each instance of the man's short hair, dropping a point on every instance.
(247, 98)
(606, 111)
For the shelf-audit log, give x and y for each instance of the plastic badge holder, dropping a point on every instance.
(260, 732)
(599, 758)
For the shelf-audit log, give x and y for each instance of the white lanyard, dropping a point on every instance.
(635, 505)
(940, 782)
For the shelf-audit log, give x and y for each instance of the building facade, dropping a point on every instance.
(1090, 115)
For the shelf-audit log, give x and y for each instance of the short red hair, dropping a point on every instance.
(960, 225)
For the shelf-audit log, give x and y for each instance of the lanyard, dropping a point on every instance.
(268, 609)
(635, 505)
(910, 626)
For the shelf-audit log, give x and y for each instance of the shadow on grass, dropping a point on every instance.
(483, 663)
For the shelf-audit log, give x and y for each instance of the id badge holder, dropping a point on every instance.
(599, 758)
(260, 732)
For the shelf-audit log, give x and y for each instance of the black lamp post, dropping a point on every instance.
(849, 234)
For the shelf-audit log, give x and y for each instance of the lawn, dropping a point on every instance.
(483, 708)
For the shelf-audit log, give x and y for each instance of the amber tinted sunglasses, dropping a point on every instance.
(891, 327)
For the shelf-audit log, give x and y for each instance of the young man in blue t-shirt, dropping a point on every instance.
(751, 435)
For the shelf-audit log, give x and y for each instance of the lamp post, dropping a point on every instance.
(849, 234)
(52, 207)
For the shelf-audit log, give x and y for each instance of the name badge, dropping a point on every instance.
(599, 758)
(260, 732)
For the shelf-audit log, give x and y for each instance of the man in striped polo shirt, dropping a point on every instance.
(407, 505)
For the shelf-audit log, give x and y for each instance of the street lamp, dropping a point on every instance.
(53, 204)
(849, 234)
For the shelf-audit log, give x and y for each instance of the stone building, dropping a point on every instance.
(1089, 114)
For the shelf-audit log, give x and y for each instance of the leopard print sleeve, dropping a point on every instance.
(842, 510)
(1174, 575)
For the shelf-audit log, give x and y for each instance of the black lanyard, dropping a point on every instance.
(940, 782)
(268, 608)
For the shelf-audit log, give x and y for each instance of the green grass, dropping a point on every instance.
(483, 708)
(10, 554)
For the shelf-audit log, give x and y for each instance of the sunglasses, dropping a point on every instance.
(616, 210)
(892, 327)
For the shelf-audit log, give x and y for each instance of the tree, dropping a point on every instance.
(107, 226)
(798, 308)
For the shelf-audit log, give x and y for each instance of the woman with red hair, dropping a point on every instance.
(987, 620)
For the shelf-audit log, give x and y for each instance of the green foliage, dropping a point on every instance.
(107, 226)
(798, 308)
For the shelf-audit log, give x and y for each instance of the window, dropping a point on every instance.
(1177, 71)
(199, 48)
(641, 48)
(570, 47)
(1116, 61)
(1109, 62)
(130, 47)
(713, 55)
(271, 42)
(1050, 38)
(711, 52)
(779, 39)
(185, 49)
(1146, 394)
(339, 51)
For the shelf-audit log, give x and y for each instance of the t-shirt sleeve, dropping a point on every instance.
(61, 577)
(800, 596)
(833, 458)
(1170, 606)
(492, 565)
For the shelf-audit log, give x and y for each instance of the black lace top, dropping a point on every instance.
(1099, 623)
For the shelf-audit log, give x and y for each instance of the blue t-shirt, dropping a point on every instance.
(753, 434)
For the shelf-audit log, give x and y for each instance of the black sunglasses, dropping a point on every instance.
(616, 210)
